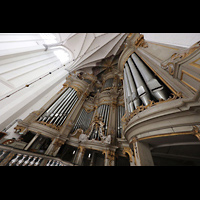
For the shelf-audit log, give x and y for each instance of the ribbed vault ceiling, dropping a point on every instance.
(88, 49)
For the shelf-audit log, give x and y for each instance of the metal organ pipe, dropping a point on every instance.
(106, 125)
(133, 89)
(141, 87)
(68, 110)
(104, 109)
(156, 89)
(54, 107)
(118, 121)
(106, 113)
(128, 98)
(83, 120)
(78, 122)
(56, 103)
(60, 107)
(121, 111)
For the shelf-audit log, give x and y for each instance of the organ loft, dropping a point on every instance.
(138, 106)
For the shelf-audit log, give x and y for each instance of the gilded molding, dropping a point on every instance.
(190, 75)
(126, 118)
(171, 64)
(195, 132)
(140, 42)
(129, 152)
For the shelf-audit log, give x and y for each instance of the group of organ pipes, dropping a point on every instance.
(140, 87)
(57, 113)
(140, 84)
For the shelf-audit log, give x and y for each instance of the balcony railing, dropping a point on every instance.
(10, 156)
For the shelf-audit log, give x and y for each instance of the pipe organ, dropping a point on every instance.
(99, 113)
(140, 84)
(103, 111)
(120, 114)
(57, 113)
(83, 120)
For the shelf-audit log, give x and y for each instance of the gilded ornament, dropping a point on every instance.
(129, 152)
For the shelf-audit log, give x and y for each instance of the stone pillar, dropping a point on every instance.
(142, 153)
(79, 157)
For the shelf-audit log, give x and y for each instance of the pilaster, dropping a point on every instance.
(142, 153)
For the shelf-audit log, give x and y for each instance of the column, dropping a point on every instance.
(54, 147)
(142, 153)
(79, 157)
(106, 160)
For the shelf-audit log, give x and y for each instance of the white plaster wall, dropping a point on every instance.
(177, 39)
(27, 100)
(23, 61)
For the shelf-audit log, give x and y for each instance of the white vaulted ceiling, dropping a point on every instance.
(90, 48)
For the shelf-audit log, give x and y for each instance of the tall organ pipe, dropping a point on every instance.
(106, 126)
(117, 121)
(156, 89)
(105, 121)
(133, 89)
(141, 87)
(128, 98)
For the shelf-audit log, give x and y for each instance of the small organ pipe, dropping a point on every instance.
(103, 114)
(56, 103)
(66, 112)
(60, 107)
(63, 108)
(125, 96)
(70, 105)
(118, 118)
(106, 113)
(81, 119)
(63, 102)
(64, 117)
(77, 125)
(84, 118)
(106, 126)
